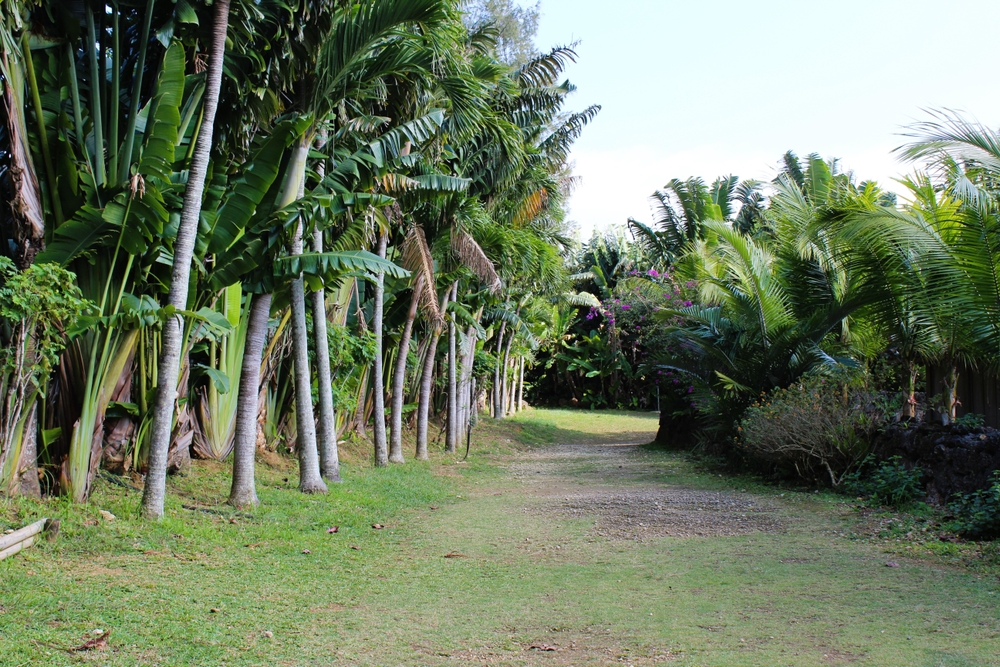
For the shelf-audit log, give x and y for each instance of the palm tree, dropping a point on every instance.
(154, 491)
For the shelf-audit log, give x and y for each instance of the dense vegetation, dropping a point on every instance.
(783, 324)
(249, 225)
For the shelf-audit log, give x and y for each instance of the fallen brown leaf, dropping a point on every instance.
(892, 564)
(454, 554)
(332, 529)
(214, 610)
(377, 526)
(542, 647)
(98, 643)
(356, 548)
(306, 551)
(433, 507)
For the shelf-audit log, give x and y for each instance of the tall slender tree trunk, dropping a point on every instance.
(154, 492)
(504, 384)
(378, 382)
(451, 439)
(243, 492)
(951, 394)
(496, 372)
(519, 404)
(465, 377)
(399, 376)
(329, 457)
(427, 385)
(310, 479)
(909, 410)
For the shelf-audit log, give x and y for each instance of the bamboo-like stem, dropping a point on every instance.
(100, 174)
(133, 107)
(74, 87)
(116, 86)
(43, 135)
(22, 534)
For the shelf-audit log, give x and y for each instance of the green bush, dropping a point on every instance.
(977, 514)
(971, 421)
(888, 483)
(821, 426)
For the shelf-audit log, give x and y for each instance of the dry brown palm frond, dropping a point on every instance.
(416, 258)
(473, 257)
(530, 207)
(396, 183)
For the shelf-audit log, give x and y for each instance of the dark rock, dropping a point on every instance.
(955, 459)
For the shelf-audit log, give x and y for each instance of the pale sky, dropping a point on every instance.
(702, 88)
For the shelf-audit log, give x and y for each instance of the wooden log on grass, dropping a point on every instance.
(22, 538)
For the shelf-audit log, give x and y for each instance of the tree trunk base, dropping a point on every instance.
(312, 486)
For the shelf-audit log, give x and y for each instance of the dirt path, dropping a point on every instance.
(609, 553)
(621, 490)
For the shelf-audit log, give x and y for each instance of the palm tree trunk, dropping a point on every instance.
(496, 372)
(399, 376)
(909, 410)
(381, 447)
(504, 385)
(465, 378)
(243, 492)
(451, 438)
(310, 479)
(951, 394)
(427, 385)
(154, 492)
(519, 405)
(329, 457)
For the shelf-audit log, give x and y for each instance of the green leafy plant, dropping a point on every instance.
(889, 483)
(37, 306)
(971, 421)
(977, 514)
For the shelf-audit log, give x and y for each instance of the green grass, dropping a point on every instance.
(523, 576)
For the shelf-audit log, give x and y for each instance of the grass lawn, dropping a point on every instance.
(526, 547)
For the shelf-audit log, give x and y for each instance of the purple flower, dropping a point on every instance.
(693, 405)
(676, 381)
(690, 283)
(653, 273)
(624, 307)
(690, 390)
(687, 304)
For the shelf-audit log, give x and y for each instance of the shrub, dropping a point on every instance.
(888, 483)
(822, 426)
(977, 514)
(971, 421)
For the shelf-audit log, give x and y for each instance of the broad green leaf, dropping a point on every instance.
(161, 135)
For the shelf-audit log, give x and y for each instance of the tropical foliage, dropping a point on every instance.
(237, 225)
(750, 303)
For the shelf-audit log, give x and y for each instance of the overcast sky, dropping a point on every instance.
(702, 88)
